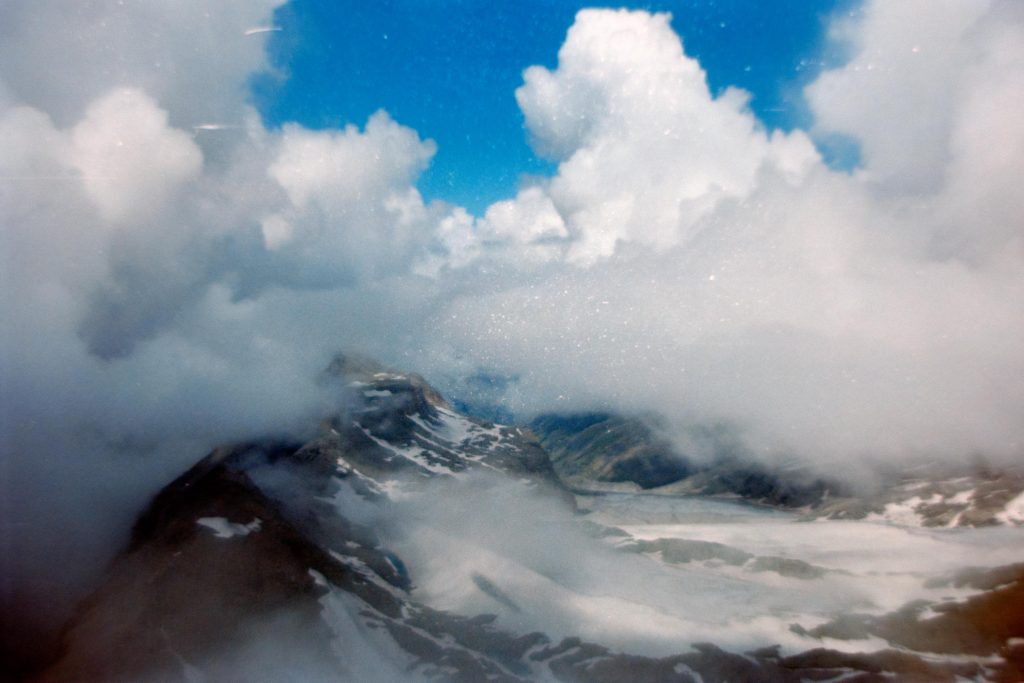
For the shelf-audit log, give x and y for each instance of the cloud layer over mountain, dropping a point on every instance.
(711, 270)
(175, 274)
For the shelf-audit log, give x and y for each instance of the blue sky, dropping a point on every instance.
(449, 69)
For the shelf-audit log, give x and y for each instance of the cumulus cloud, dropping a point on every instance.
(646, 151)
(176, 274)
(353, 208)
(131, 163)
(719, 273)
(529, 218)
(897, 96)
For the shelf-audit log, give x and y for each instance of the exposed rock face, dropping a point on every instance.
(971, 496)
(597, 448)
(984, 624)
(246, 564)
(400, 426)
(180, 598)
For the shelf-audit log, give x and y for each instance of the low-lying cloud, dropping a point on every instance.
(176, 274)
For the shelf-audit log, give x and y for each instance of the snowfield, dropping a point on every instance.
(585, 577)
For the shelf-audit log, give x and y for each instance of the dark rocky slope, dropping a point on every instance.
(600, 451)
(594, 449)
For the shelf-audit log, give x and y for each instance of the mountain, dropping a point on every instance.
(602, 447)
(250, 565)
(275, 561)
(223, 581)
(603, 451)
(594, 450)
(397, 429)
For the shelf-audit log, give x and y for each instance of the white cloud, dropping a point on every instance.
(530, 217)
(353, 205)
(332, 170)
(897, 95)
(716, 273)
(646, 151)
(131, 162)
(192, 57)
(102, 249)
(979, 206)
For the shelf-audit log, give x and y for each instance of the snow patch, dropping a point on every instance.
(961, 498)
(222, 528)
(388, 376)
(395, 490)
(1013, 513)
(412, 453)
(681, 668)
(906, 512)
(366, 653)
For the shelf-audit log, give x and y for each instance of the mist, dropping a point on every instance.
(176, 274)
(481, 544)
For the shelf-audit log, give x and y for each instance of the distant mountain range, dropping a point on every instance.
(602, 451)
(260, 563)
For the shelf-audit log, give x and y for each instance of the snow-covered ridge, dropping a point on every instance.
(621, 453)
(397, 430)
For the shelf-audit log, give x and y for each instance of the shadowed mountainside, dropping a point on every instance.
(602, 451)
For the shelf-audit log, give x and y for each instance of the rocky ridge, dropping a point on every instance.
(606, 452)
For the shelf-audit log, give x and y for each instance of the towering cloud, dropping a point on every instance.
(352, 206)
(646, 151)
